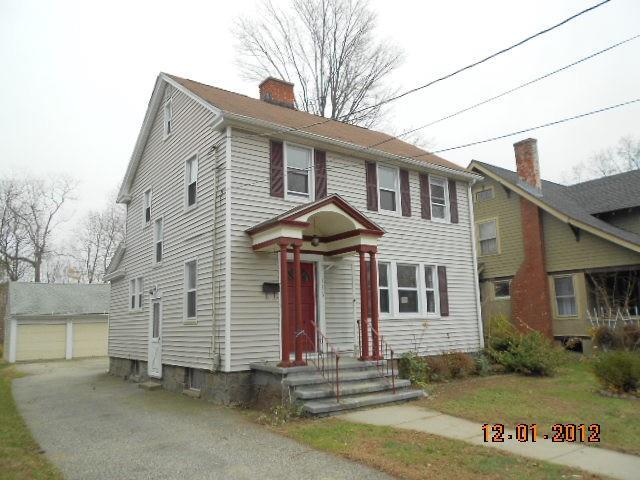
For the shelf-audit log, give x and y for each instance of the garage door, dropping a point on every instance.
(40, 342)
(89, 339)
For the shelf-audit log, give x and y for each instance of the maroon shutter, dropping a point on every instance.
(425, 196)
(277, 170)
(444, 294)
(372, 186)
(320, 162)
(405, 193)
(453, 201)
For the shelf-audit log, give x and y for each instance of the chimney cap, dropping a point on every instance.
(274, 79)
(526, 140)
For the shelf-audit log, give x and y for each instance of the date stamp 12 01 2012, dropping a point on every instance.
(560, 432)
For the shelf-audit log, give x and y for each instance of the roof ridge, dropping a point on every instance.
(605, 177)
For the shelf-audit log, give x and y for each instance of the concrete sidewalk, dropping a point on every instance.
(590, 459)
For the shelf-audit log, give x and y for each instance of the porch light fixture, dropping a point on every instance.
(315, 241)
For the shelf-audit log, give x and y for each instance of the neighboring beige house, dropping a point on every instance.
(251, 227)
(48, 321)
(554, 257)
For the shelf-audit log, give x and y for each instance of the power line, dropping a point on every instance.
(507, 92)
(575, 117)
(449, 75)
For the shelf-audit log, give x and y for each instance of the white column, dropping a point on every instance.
(69, 354)
(13, 340)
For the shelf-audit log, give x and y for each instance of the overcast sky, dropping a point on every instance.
(76, 77)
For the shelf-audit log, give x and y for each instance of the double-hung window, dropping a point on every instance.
(565, 296)
(502, 289)
(438, 189)
(135, 293)
(430, 287)
(147, 207)
(383, 286)
(388, 188)
(191, 174)
(484, 194)
(190, 284)
(158, 240)
(488, 237)
(407, 288)
(168, 119)
(299, 178)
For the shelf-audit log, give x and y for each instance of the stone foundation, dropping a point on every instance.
(251, 388)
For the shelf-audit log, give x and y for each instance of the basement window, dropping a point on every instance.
(195, 379)
(502, 289)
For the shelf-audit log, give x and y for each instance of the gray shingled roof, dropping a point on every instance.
(57, 299)
(607, 194)
(571, 201)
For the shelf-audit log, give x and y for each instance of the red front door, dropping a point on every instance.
(308, 304)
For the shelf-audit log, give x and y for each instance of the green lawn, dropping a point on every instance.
(19, 453)
(416, 456)
(569, 397)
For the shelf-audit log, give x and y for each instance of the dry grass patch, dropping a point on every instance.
(416, 456)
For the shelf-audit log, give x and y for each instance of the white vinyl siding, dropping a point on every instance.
(162, 166)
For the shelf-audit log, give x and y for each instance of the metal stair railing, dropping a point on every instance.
(327, 357)
(385, 364)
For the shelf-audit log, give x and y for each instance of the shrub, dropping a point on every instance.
(483, 365)
(618, 371)
(618, 337)
(460, 364)
(502, 335)
(413, 368)
(631, 337)
(438, 368)
(530, 354)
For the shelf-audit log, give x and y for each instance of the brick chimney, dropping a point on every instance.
(527, 162)
(278, 92)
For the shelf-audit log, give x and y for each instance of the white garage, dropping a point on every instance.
(56, 321)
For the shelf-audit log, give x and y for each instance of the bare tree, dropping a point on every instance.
(13, 237)
(623, 158)
(99, 235)
(34, 206)
(327, 48)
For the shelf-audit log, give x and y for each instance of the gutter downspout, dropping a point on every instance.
(476, 280)
(227, 272)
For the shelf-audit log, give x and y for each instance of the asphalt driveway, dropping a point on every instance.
(94, 426)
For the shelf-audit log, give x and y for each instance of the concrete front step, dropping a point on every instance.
(313, 378)
(347, 389)
(150, 385)
(331, 406)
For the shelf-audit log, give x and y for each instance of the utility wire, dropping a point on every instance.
(575, 117)
(506, 92)
(449, 75)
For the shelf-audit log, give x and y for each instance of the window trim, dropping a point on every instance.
(155, 262)
(447, 203)
(394, 310)
(196, 157)
(484, 189)
(507, 297)
(144, 207)
(137, 292)
(167, 123)
(298, 197)
(574, 296)
(185, 319)
(398, 209)
(498, 243)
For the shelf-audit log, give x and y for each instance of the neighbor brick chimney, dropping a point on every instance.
(278, 92)
(527, 162)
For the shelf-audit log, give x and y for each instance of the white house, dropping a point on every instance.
(252, 229)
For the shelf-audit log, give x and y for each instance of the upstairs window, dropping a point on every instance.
(158, 241)
(407, 288)
(135, 293)
(168, 119)
(430, 287)
(488, 237)
(298, 162)
(438, 189)
(485, 194)
(388, 188)
(190, 277)
(147, 207)
(191, 173)
(565, 296)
